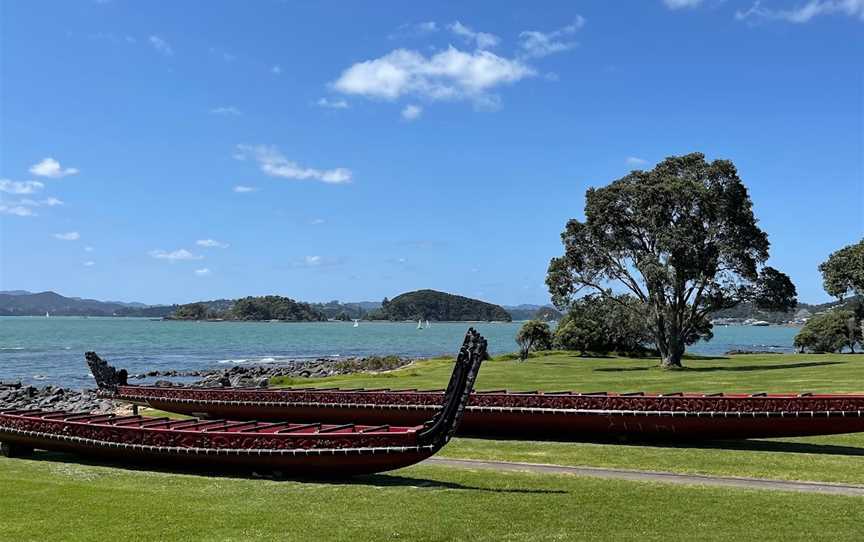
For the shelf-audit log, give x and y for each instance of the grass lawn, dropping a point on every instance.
(60, 499)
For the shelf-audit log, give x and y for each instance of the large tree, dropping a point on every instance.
(682, 239)
(843, 271)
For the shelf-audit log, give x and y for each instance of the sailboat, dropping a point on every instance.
(428, 325)
(47, 315)
(420, 323)
(356, 323)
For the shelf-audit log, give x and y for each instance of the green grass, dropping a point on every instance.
(840, 373)
(62, 500)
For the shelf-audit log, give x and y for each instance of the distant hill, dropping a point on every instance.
(30, 304)
(336, 310)
(532, 312)
(441, 306)
(746, 311)
(262, 308)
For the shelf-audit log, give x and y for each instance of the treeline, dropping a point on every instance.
(269, 307)
(440, 306)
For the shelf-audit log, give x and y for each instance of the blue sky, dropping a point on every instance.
(175, 151)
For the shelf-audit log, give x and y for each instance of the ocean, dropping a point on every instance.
(42, 351)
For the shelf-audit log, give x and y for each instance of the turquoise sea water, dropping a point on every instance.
(51, 350)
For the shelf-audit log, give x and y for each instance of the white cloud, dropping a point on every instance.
(161, 46)
(483, 40)
(174, 255)
(50, 202)
(447, 75)
(68, 236)
(635, 161)
(312, 261)
(203, 272)
(211, 243)
(227, 111)
(804, 12)
(50, 167)
(242, 189)
(20, 187)
(88, 249)
(411, 112)
(89, 263)
(316, 221)
(679, 4)
(414, 30)
(276, 69)
(536, 44)
(16, 210)
(273, 163)
(332, 104)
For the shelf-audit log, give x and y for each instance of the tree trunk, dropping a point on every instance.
(672, 354)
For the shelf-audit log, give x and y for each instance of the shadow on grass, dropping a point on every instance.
(376, 480)
(734, 369)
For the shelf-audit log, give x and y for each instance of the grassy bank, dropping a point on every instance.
(61, 500)
(840, 373)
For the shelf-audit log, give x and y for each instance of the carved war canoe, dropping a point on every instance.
(531, 415)
(299, 448)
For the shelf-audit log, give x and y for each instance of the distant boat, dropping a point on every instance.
(428, 325)
(419, 324)
(47, 315)
(356, 323)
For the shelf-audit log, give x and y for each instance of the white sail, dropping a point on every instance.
(420, 324)
(356, 323)
(47, 315)
(428, 325)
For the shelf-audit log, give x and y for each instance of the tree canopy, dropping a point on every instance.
(533, 335)
(843, 271)
(830, 332)
(597, 324)
(682, 239)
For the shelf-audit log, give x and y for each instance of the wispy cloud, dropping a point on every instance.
(174, 255)
(20, 187)
(229, 111)
(332, 104)
(317, 221)
(681, 4)
(274, 164)
(161, 45)
(276, 69)
(243, 189)
(803, 13)
(211, 243)
(313, 262)
(411, 112)
(483, 40)
(635, 161)
(15, 210)
(412, 30)
(88, 248)
(203, 272)
(89, 263)
(536, 44)
(447, 75)
(68, 236)
(51, 168)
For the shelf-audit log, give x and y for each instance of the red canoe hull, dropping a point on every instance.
(302, 453)
(533, 415)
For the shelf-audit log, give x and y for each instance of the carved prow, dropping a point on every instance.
(441, 428)
(107, 377)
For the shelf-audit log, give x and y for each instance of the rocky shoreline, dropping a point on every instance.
(15, 395)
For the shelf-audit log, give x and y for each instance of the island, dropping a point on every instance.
(438, 306)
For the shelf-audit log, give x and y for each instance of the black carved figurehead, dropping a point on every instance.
(107, 377)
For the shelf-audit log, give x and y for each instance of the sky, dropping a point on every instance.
(169, 152)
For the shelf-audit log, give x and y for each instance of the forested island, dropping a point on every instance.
(440, 306)
(268, 307)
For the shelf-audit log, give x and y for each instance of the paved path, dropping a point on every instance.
(653, 476)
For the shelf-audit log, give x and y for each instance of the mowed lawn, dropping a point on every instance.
(55, 498)
(58, 496)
